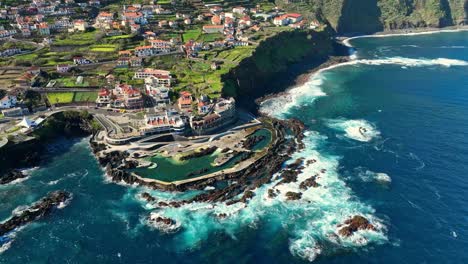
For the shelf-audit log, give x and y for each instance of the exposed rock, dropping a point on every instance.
(148, 197)
(164, 224)
(36, 211)
(271, 193)
(354, 224)
(251, 141)
(310, 182)
(200, 153)
(293, 196)
(11, 176)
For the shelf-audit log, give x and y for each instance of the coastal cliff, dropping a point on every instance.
(28, 153)
(276, 64)
(370, 16)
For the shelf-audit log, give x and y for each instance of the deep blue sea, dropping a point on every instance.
(389, 127)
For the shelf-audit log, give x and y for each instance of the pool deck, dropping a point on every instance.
(221, 141)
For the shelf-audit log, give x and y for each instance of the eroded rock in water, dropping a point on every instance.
(11, 176)
(36, 211)
(164, 224)
(354, 224)
(293, 196)
(148, 197)
(310, 182)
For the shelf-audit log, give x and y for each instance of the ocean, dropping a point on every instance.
(388, 128)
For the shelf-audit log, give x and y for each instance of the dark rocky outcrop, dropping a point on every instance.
(200, 153)
(293, 196)
(148, 197)
(354, 224)
(246, 180)
(11, 176)
(251, 141)
(310, 182)
(36, 211)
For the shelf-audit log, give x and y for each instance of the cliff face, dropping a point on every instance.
(273, 64)
(368, 16)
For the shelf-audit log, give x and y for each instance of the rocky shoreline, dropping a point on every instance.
(36, 211)
(117, 165)
(305, 77)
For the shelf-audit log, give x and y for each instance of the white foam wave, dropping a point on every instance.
(347, 41)
(369, 176)
(360, 130)
(311, 90)
(311, 221)
(305, 93)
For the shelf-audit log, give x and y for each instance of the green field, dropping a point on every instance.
(70, 97)
(191, 34)
(103, 48)
(70, 82)
(83, 38)
(210, 37)
(61, 98)
(85, 97)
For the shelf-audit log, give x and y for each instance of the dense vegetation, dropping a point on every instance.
(367, 16)
(268, 70)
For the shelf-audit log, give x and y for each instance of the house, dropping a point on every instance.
(135, 17)
(162, 23)
(80, 25)
(166, 123)
(314, 24)
(215, 116)
(161, 77)
(161, 46)
(281, 20)
(34, 70)
(145, 51)
(8, 101)
(12, 112)
(245, 20)
(125, 53)
(63, 68)
(79, 60)
(127, 97)
(135, 28)
(123, 62)
(135, 62)
(294, 17)
(158, 92)
(26, 32)
(213, 28)
(104, 97)
(239, 10)
(216, 20)
(185, 101)
(216, 9)
(44, 29)
(187, 21)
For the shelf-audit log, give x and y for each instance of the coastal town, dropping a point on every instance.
(152, 74)
(143, 68)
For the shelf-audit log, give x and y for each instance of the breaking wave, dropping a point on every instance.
(347, 41)
(311, 90)
(312, 221)
(360, 130)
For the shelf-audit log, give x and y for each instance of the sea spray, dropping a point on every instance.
(360, 130)
(313, 220)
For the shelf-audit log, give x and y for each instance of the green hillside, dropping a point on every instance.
(366, 16)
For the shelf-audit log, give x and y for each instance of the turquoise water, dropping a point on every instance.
(410, 93)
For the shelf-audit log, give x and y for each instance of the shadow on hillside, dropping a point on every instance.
(359, 16)
(447, 20)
